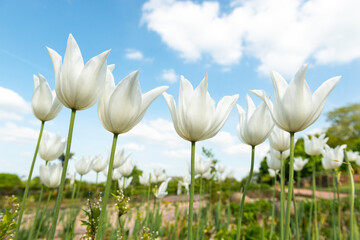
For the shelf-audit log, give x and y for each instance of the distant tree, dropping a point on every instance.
(135, 174)
(62, 157)
(209, 154)
(344, 126)
(9, 181)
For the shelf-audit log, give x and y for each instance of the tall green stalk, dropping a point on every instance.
(36, 213)
(333, 212)
(199, 212)
(101, 225)
(42, 216)
(23, 202)
(291, 187)
(238, 232)
(192, 188)
(296, 218)
(273, 208)
(314, 199)
(63, 175)
(282, 196)
(352, 197)
(337, 181)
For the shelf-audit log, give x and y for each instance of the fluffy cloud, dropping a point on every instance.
(169, 75)
(133, 54)
(13, 133)
(12, 105)
(280, 34)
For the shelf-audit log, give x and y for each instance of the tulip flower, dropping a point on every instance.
(45, 105)
(120, 108)
(201, 166)
(353, 156)
(115, 175)
(295, 108)
(272, 161)
(220, 168)
(120, 158)
(184, 182)
(162, 189)
(332, 157)
(83, 165)
(50, 174)
(77, 87)
(255, 125)
(272, 172)
(315, 145)
(124, 182)
(279, 140)
(51, 146)
(99, 163)
(299, 163)
(208, 175)
(197, 118)
(127, 168)
(144, 179)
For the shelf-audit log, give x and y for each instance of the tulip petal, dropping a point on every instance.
(42, 99)
(91, 81)
(174, 116)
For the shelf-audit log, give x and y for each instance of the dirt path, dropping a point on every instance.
(318, 194)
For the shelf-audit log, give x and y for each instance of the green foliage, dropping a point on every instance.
(9, 181)
(93, 215)
(344, 126)
(8, 217)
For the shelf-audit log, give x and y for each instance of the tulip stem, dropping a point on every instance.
(314, 198)
(273, 208)
(291, 186)
(337, 182)
(63, 175)
(23, 202)
(282, 196)
(42, 217)
(238, 232)
(333, 205)
(199, 213)
(192, 188)
(101, 225)
(352, 197)
(36, 214)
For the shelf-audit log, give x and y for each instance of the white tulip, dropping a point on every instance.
(196, 118)
(122, 107)
(124, 182)
(120, 158)
(83, 165)
(332, 157)
(77, 86)
(315, 145)
(255, 125)
(299, 163)
(272, 161)
(279, 139)
(50, 174)
(272, 172)
(99, 164)
(162, 189)
(352, 156)
(220, 168)
(51, 146)
(295, 107)
(144, 179)
(127, 168)
(45, 105)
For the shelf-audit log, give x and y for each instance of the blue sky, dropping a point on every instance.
(236, 43)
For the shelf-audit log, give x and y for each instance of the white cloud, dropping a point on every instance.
(134, 146)
(12, 105)
(169, 75)
(280, 34)
(10, 132)
(133, 54)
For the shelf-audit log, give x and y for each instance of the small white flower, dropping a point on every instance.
(51, 146)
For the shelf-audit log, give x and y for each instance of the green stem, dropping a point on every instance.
(314, 199)
(296, 218)
(148, 202)
(42, 217)
(273, 208)
(333, 212)
(282, 196)
(238, 232)
(352, 197)
(192, 188)
(36, 213)
(101, 226)
(199, 213)
(290, 188)
(23, 202)
(73, 210)
(339, 204)
(63, 176)
(298, 179)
